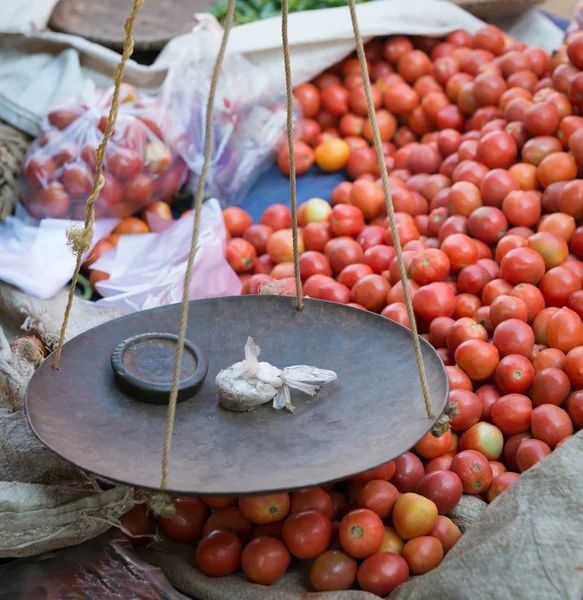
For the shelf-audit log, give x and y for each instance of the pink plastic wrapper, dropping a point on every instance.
(139, 168)
(147, 270)
(105, 567)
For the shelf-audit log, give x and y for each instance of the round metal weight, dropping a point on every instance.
(143, 366)
(371, 414)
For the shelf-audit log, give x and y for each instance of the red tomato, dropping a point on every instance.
(54, 201)
(264, 560)
(257, 235)
(312, 499)
(477, 358)
(219, 554)
(513, 337)
(124, 163)
(514, 374)
(304, 158)
(522, 265)
(574, 408)
(512, 413)
(550, 386)
(240, 255)
(379, 258)
(458, 380)
(530, 452)
(558, 284)
(443, 488)
(462, 330)
(434, 300)
(379, 496)
(564, 330)
(346, 220)
(307, 534)
(335, 99)
(384, 472)
(361, 533)
(551, 424)
(500, 484)
(187, 524)
(308, 96)
(137, 523)
(332, 571)
(474, 470)
(469, 409)
(230, 519)
(408, 472)
(352, 273)
(382, 573)
(423, 554)
(429, 446)
(371, 292)
(277, 216)
(446, 532)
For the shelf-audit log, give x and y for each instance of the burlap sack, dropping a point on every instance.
(527, 544)
(45, 502)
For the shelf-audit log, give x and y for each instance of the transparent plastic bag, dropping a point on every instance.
(140, 167)
(249, 118)
(577, 22)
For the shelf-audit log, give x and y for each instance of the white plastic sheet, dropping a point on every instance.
(35, 257)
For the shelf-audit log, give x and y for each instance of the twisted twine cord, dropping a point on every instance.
(199, 197)
(80, 239)
(390, 208)
(292, 158)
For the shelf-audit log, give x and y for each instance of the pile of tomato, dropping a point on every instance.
(483, 143)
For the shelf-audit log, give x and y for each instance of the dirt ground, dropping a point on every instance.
(561, 8)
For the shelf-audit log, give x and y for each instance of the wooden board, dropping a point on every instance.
(102, 21)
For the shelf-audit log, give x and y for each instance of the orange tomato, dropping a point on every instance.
(101, 248)
(262, 510)
(131, 225)
(159, 208)
(280, 246)
(332, 155)
(414, 516)
(392, 542)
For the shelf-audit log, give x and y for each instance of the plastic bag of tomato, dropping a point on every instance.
(482, 142)
(139, 168)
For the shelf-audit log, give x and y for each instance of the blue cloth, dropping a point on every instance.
(273, 188)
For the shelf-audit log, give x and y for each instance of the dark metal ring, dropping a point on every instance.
(139, 386)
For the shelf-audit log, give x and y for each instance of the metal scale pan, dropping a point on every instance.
(105, 415)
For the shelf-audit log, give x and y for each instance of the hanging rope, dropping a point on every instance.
(199, 197)
(390, 208)
(80, 238)
(292, 158)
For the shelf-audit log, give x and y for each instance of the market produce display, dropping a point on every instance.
(484, 145)
(139, 169)
(247, 11)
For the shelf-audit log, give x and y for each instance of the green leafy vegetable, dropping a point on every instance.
(248, 11)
